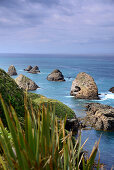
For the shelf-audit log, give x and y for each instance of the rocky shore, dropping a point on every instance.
(99, 116)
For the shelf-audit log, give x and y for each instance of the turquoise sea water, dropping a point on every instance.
(100, 67)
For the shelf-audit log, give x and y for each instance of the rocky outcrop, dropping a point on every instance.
(56, 75)
(72, 125)
(12, 71)
(99, 116)
(84, 87)
(28, 68)
(25, 83)
(111, 89)
(34, 70)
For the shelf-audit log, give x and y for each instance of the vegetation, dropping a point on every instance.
(11, 93)
(61, 110)
(42, 144)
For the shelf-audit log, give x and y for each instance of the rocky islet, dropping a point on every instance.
(12, 71)
(56, 75)
(25, 83)
(84, 87)
(33, 70)
(111, 89)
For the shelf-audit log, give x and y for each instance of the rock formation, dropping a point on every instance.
(25, 83)
(99, 116)
(56, 75)
(12, 71)
(84, 87)
(28, 68)
(111, 89)
(34, 70)
(72, 125)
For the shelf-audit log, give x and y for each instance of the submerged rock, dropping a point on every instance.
(84, 87)
(34, 70)
(28, 68)
(111, 89)
(99, 116)
(56, 75)
(25, 83)
(12, 71)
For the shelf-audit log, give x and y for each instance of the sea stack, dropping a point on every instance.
(111, 89)
(12, 71)
(28, 68)
(34, 70)
(84, 87)
(25, 83)
(56, 75)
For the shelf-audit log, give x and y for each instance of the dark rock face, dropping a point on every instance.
(34, 70)
(12, 71)
(72, 125)
(56, 75)
(84, 87)
(28, 68)
(25, 83)
(99, 116)
(111, 89)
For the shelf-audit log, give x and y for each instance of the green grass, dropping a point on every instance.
(61, 110)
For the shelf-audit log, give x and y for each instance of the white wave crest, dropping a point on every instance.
(69, 96)
(106, 96)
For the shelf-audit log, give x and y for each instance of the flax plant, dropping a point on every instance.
(42, 144)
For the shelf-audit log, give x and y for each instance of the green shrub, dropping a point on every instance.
(43, 144)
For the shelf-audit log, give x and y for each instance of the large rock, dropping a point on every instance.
(34, 70)
(99, 116)
(28, 68)
(56, 75)
(12, 71)
(10, 92)
(111, 89)
(84, 87)
(25, 83)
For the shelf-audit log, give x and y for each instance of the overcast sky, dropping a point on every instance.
(57, 26)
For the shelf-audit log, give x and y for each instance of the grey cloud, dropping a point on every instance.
(58, 21)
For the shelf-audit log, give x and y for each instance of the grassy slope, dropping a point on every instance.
(60, 109)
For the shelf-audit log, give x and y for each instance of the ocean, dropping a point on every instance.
(101, 68)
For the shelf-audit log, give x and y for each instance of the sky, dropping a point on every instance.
(57, 26)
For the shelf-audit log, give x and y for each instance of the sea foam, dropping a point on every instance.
(106, 96)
